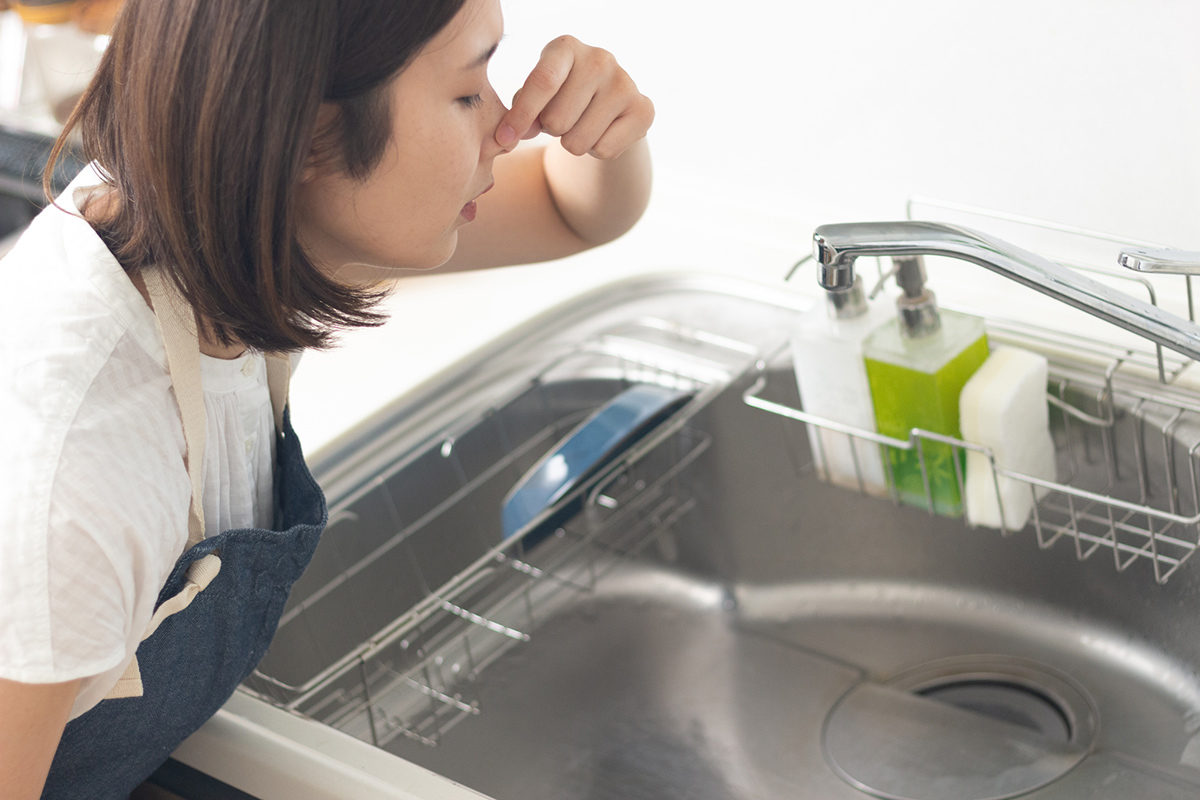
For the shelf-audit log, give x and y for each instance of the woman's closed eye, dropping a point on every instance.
(472, 101)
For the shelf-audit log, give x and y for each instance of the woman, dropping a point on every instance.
(260, 167)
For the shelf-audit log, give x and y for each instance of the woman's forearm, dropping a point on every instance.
(32, 718)
(599, 199)
(585, 189)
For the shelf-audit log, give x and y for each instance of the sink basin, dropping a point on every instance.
(718, 622)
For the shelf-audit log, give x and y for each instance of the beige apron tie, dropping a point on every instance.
(200, 573)
(177, 324)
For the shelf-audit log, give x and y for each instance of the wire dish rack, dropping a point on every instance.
(409, 664)
(420, 679)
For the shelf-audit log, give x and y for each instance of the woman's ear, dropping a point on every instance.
(325, 142)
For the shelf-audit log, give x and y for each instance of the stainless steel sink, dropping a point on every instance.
(717, 622)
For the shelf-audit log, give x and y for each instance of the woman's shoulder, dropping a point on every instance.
(95, 502)
(75, 376)
(65, 302)
(87, 415)
(74, 345)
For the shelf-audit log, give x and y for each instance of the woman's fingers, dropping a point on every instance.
(623, 132)
(583, 96)
(539, 88)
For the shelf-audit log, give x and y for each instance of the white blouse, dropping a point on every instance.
(94, 490)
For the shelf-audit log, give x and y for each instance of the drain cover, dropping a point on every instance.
(1007, 702)
(963, 729)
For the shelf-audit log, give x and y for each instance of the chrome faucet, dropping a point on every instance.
(1168, 262)
(836, 247)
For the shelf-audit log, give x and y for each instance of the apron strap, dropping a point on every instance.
(177, 324)
(199, 575)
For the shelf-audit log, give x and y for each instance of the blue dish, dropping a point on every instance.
(583, 453)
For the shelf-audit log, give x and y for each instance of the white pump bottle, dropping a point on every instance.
(828, 357)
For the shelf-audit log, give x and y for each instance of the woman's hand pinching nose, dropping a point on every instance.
(507, 136)
(581, 95)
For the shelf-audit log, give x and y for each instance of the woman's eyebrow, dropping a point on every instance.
(483, 59)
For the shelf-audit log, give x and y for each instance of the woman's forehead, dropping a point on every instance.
(469, 38)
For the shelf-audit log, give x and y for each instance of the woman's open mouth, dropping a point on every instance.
(469, 210)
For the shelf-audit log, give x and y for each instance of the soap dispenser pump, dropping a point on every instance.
(917, 365)
(827, 352)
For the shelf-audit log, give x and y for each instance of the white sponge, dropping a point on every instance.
(1003, 407)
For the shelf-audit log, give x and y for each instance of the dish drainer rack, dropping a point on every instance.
(416, 675)
(420, 679)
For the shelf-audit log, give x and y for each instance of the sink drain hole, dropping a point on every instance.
(1006, 702)
(984, 727)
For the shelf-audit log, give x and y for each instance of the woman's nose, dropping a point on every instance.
(497, 109)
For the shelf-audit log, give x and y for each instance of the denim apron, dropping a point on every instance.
(218, 610)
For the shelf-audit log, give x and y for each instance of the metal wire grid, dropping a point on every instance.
(1136, 507)
(422, 681)
(1151, 522)
(418, 677)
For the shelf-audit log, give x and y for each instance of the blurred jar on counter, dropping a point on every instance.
(63, 42)
(91, 16)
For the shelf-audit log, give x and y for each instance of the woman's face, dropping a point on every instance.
(407, 213)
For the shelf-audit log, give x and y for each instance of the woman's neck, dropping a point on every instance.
(218, 350)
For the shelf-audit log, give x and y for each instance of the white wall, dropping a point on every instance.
(1081, 111)
(775, 116)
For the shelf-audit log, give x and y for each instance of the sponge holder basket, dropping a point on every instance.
(1145, 507)
(1125, 423)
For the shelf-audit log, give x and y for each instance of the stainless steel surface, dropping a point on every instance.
(838, 246)
(926, 741)
(1170, 262)
(429, 520)
(695, 630)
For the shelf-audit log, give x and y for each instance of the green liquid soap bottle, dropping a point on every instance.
(917, 365)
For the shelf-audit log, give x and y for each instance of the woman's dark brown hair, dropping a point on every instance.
(202, 116)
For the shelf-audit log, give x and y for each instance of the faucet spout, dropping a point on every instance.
(836, 247)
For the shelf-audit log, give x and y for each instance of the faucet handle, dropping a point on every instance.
(1169, 262)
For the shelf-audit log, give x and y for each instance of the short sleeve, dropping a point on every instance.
(96, 543)
(93, 486)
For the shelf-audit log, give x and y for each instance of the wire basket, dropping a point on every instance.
(1142, 508)
(1126, 424)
